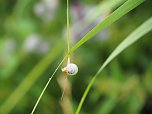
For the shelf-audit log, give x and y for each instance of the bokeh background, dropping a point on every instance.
(33, 42)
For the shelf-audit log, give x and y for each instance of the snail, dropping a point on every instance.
(70, 69)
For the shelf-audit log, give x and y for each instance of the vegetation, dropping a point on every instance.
(32, 48)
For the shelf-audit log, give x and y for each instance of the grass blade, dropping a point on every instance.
(132, 38)
(48, 82)
(122, 10)
(68, 26)
(104, 7)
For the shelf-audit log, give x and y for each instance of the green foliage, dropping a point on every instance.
(30, 79)
(122, 10)
(133, 37)
(124, 86)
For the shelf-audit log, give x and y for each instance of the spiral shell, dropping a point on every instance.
(70, 69)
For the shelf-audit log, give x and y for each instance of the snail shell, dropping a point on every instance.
(70, 69)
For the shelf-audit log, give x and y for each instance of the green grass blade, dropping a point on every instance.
(132, 38)
(68, 26)
(122, 10)
(47, 84)
(29, 80)
(104, 7)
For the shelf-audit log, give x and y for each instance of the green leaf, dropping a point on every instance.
(132, 38)
(122, 10)
(68, 26)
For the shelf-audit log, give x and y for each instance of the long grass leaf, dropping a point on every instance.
(68, 26)
(132, 38)
(122, 10)
(106, 6)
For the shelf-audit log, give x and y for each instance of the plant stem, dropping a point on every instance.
(47, 84)
(68, 27)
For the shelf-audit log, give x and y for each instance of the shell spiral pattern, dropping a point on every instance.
(72, 69)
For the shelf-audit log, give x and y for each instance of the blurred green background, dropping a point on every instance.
(33, 42)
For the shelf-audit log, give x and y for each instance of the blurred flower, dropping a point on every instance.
(44, 47)
(84, 18)
(32, 42)
(46, 9)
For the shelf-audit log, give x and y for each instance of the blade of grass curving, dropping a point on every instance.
(29, 80)
(104, 7)
(122, 10)
(132, 38)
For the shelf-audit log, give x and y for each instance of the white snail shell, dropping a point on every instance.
(70, 69)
